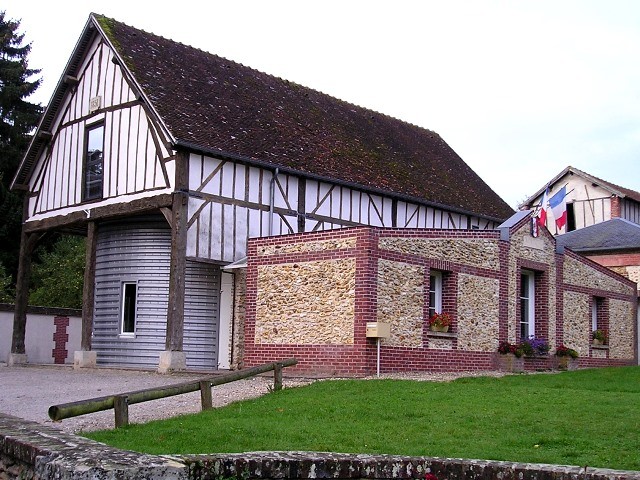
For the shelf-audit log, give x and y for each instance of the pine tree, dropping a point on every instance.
(18, 119)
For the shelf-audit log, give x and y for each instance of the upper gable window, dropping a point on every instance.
(93, 164)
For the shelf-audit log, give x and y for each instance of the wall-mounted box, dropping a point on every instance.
(378, 330)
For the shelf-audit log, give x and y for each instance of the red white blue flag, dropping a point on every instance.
(559, 207)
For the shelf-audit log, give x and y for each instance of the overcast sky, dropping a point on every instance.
(519, 89)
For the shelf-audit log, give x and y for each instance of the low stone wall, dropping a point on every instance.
(30, 450)
(33, 451)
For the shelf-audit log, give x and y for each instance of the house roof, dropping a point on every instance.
(614, 189)
(214, 105)
(614, 234)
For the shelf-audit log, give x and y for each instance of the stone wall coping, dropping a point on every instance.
(51, 453)
(56, 311)
(451, 335)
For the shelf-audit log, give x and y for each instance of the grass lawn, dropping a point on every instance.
(587, 417)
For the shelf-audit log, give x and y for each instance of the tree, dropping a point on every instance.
(6, 291)
(18, 119)
(58, 274)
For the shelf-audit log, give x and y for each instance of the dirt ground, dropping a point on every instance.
(28, 392)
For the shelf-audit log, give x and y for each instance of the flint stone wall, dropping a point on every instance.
(633, 274)
(306, 303)
(237, 339)
(478, 313)
(401, 302)
(577, 322)
(305, 247)
(481, 252)
(577, 273)
(621, 338)
(32, 451)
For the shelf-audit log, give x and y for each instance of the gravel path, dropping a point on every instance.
(28, 392)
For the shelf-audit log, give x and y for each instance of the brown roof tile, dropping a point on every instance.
(219, 105)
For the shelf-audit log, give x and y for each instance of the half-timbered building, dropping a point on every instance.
(590, 200)
(168, 159)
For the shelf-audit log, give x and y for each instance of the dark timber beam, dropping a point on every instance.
(175, 310)
(27, 244)
(89, 287)
(106, 211)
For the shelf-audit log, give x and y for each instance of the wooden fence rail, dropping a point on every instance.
(120, 403)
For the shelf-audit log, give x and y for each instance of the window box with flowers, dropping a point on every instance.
(440, 322)
(566, 358)
(510, 357)
(599, 337)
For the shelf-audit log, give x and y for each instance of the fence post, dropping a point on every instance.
(205, 395)
(277, 377)
(121, 408)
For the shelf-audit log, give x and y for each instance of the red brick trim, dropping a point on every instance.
(615, 206)
(60, 339)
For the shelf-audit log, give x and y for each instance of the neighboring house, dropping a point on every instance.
(590, 200)
(169, 159)
(314, 296)
(614, 244)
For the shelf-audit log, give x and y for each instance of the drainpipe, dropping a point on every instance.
(272, 199)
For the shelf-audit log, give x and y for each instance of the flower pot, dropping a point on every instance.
(439, 328)
(510, 363)
(566, 363)
(597, 341)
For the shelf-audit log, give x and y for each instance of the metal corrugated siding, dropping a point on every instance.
(139, 250)
(135, 250)
(201, 312)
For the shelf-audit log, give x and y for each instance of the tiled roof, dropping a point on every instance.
(219, 105)
(614, 234)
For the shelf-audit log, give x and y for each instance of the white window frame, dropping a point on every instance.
(123, 309)
(93, 141)
(594, 314)
(435, 288)
(528, 313)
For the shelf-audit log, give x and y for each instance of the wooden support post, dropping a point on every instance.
(277, 377)
(89, 287)
(175, 312)
(121, 409)
(205, 395)
(27, 244)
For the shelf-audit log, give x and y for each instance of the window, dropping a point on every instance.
(435, 293)
(571, 217)
(527, 304)
(598, 309)
(129, 304)
(93, 164)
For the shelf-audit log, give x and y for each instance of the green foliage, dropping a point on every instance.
(18, 118)
(586, 417)
(58, 275)
(7, 294)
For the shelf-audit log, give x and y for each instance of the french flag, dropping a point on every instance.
(542, 213)
(559, 207)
